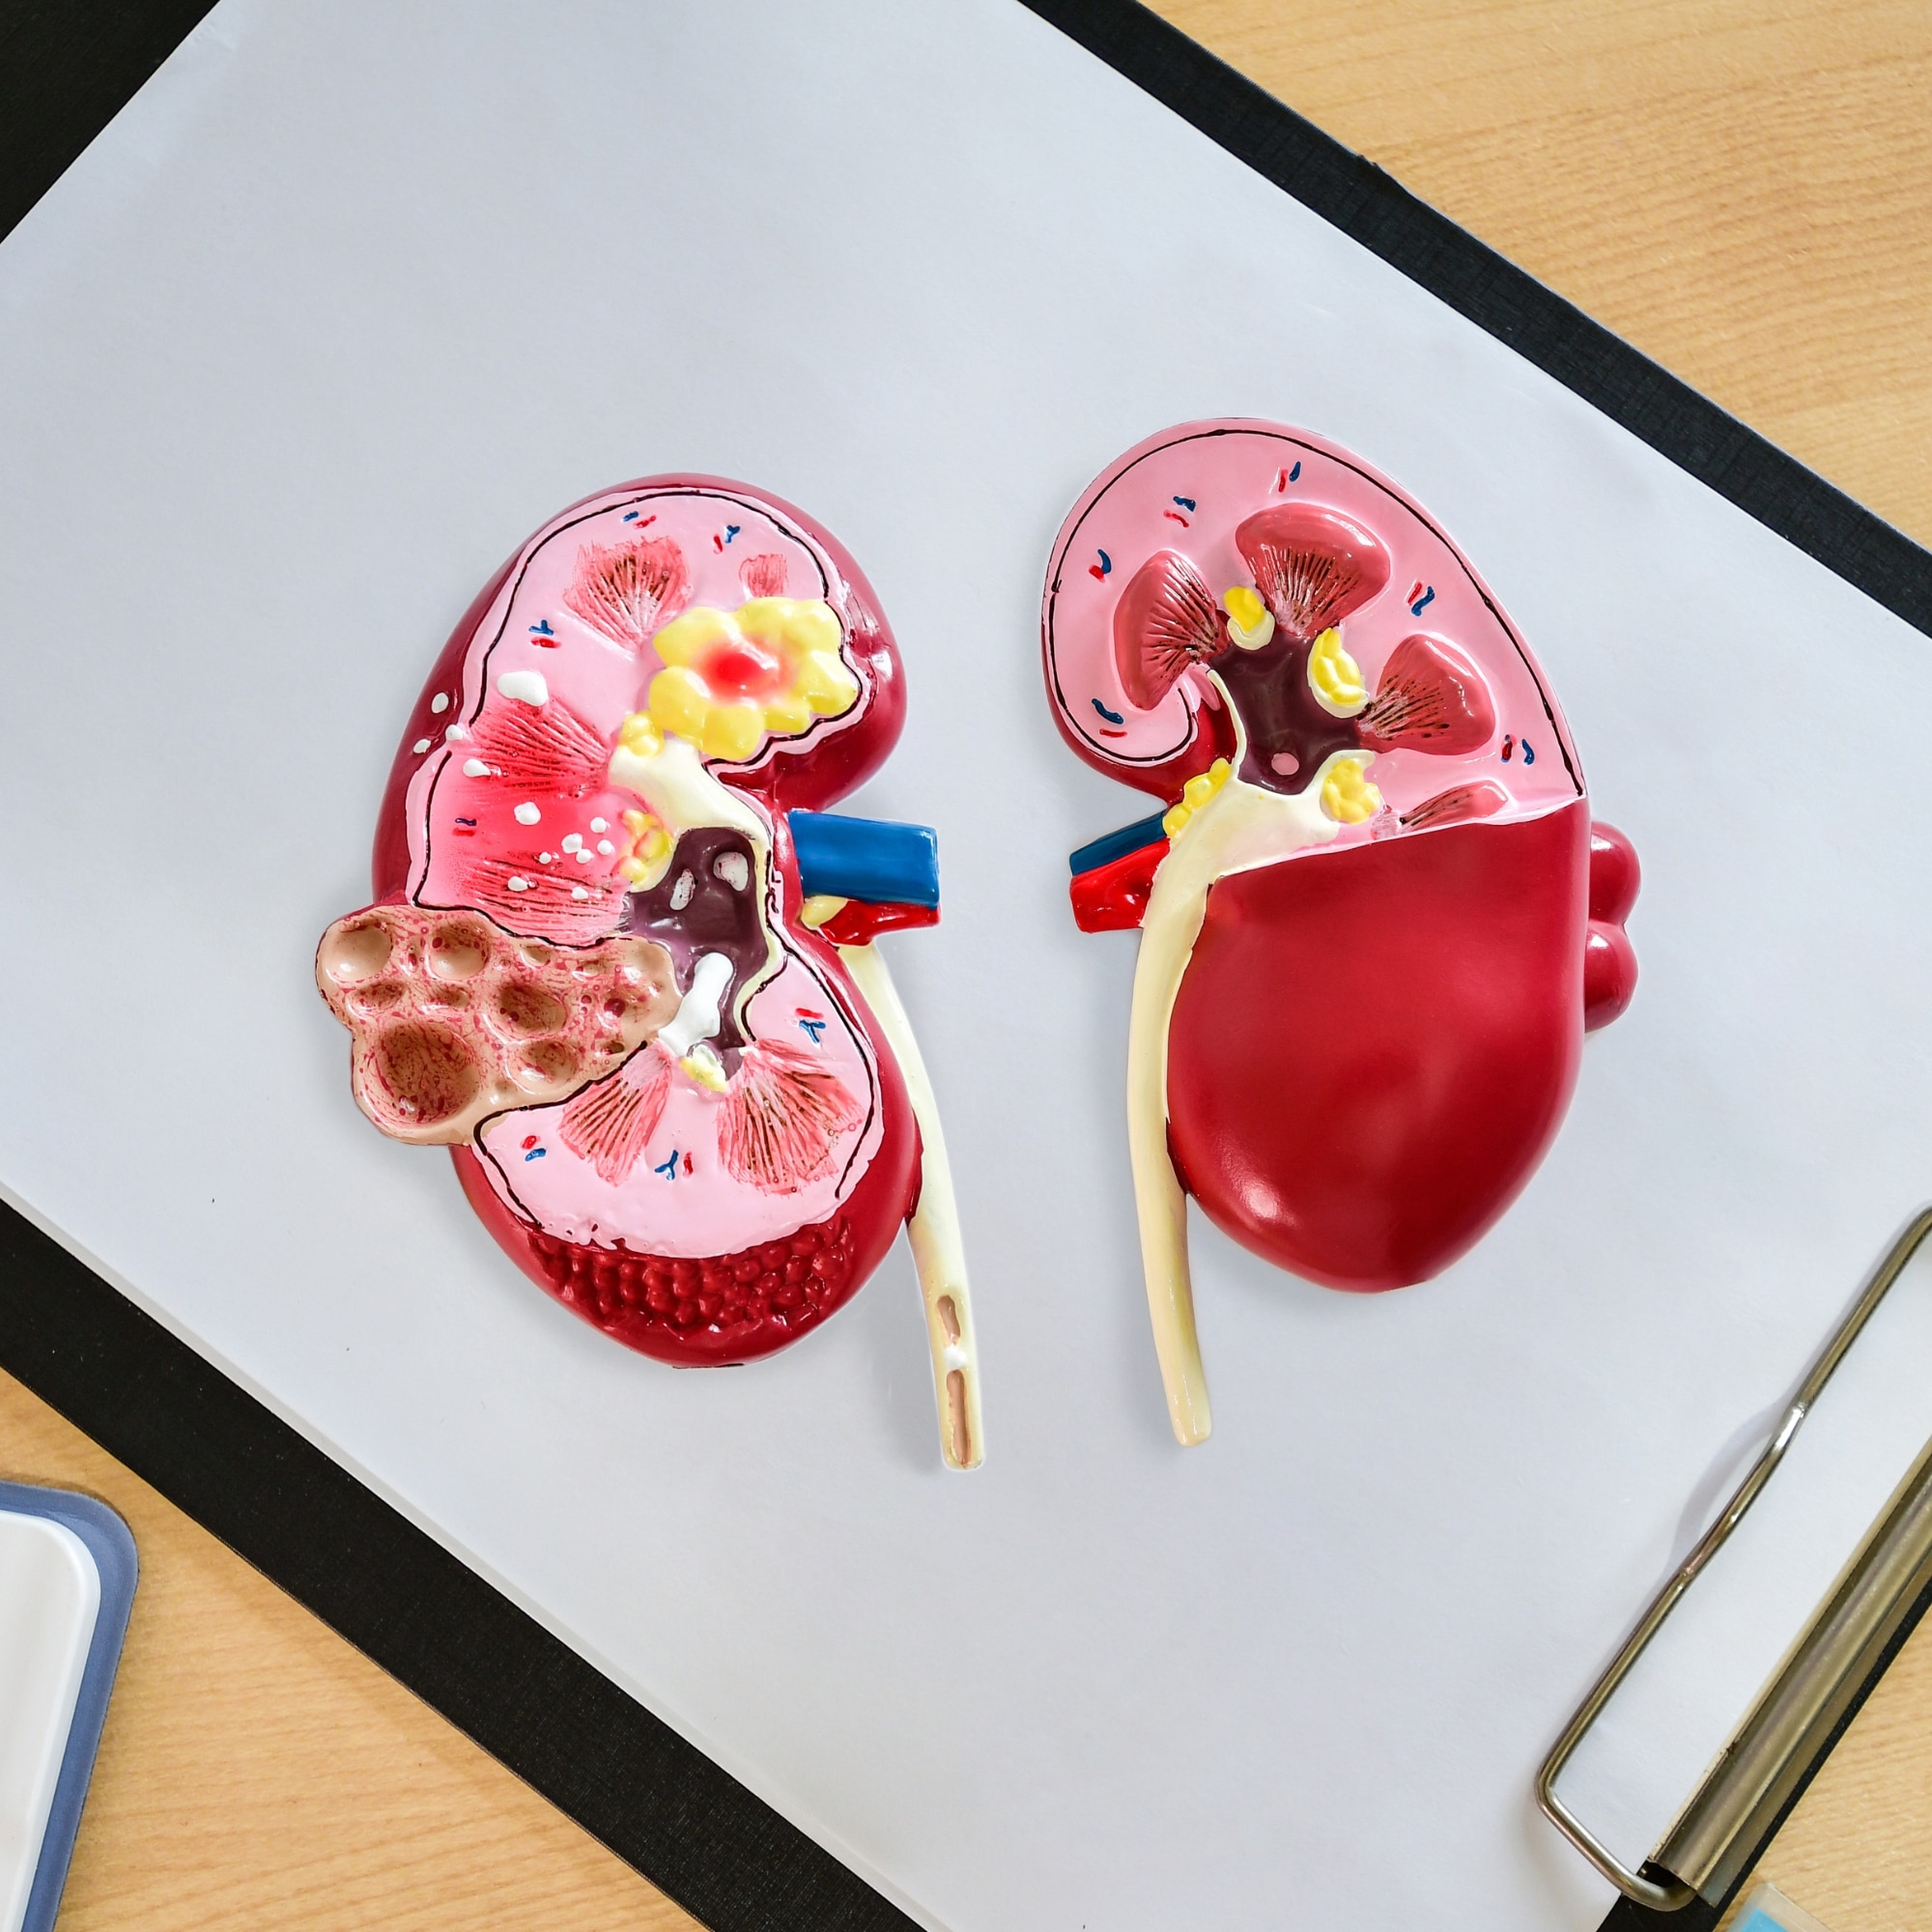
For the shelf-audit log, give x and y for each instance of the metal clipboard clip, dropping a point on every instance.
(1796, 1713)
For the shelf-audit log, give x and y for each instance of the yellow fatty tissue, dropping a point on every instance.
(650, 841)
(1346, 795)
(733, 677)
(1336, 676)
(1194, 794)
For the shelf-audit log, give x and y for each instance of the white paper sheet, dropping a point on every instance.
(349, 301)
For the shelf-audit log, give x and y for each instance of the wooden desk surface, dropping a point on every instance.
(1741, 187)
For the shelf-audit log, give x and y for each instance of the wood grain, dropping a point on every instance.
(258, 1773)
(1858, 1850)
(1745, 192)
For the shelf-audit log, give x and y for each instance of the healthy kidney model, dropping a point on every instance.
(1376, 917)
(621, 961)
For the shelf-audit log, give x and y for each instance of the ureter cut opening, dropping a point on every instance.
(938, 1249)
(959, 1432)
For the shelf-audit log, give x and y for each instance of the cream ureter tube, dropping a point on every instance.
(938, 1250)
(1241, 827)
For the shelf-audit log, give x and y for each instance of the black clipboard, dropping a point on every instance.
(339, 1550)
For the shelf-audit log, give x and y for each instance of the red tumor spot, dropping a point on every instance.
(742, 670)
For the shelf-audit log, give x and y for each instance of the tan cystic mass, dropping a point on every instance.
(453, 1020)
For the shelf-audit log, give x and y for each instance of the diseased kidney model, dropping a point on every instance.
(621, 961)
(1376, 918)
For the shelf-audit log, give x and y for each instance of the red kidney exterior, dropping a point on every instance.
(1372, 1154)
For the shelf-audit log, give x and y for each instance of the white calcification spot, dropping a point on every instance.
(526, 685)
(600, 825)
(527, 814)
(731, 868)
(583, 857)
(518, 885)
(422, 744)
(440, 701)
(573, 841)
(579, 891)
(454, 733)
(544, 858)
(680, 893)
(605, 846)
(475, 768)
(956, 1358)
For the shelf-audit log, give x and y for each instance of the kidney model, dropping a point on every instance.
(622, 961)
(1376, 917)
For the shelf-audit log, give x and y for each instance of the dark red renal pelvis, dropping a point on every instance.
(1373, 1048)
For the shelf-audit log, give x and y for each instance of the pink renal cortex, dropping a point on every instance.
(1376, 917)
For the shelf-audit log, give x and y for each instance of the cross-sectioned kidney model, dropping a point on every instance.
(1376, 917)
(622, 961)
